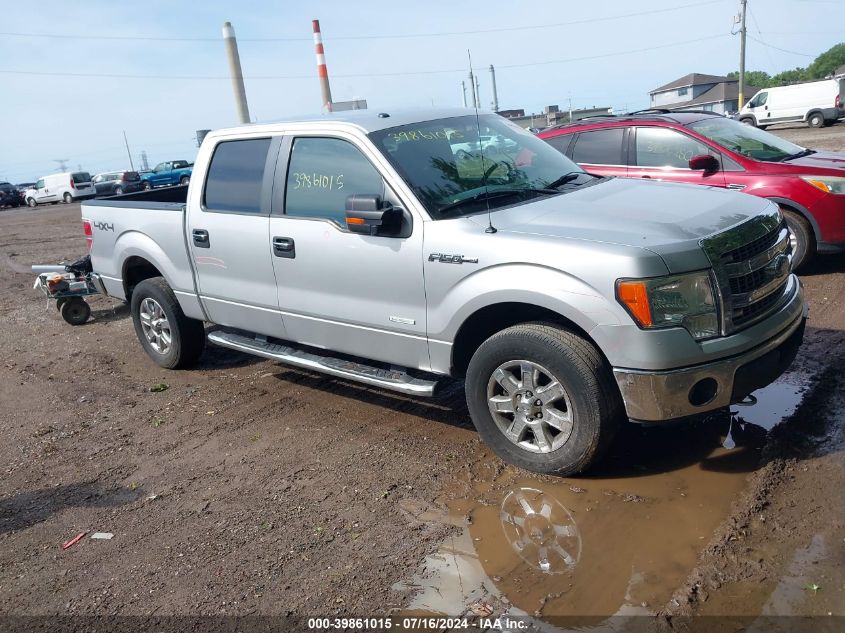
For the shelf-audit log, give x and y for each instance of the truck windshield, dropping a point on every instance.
(746, 140)
(455, 170)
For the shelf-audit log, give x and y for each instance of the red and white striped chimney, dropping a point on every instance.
(322, 71)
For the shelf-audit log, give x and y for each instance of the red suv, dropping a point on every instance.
(707, 149)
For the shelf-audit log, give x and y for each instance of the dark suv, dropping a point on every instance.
(116, 183)
(706, 149)
(9, 195)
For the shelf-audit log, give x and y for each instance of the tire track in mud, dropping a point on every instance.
(7, 263)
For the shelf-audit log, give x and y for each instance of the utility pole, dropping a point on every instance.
(742, 30)
(235, 71)
(477, 93)
(128, 153)
(474, 99)
(570, 109)
(464, 92)
(322, 70)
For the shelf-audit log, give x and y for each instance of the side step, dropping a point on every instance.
(393, 379)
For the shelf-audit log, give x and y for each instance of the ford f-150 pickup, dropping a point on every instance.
(174, 172)
(396, 249)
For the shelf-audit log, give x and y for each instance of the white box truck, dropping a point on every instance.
(815, 103)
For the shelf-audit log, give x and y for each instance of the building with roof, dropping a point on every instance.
(552, 115)
(697, 91)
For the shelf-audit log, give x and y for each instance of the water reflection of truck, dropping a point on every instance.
(354, 245)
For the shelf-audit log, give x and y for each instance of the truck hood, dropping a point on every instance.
(667, 218)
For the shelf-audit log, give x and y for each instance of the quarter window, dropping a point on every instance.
(235, 176)
(660, 147)
(600, 147)
(323, 172)
(560, 142)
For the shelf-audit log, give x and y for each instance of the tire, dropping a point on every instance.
(762, 127)
(60, 302)
(184, 180)
(588, 398)
(31, 202)
(748, 121)
(146, 186)
(155, 313)
(67, 198)
(802, 237)
(815, 119)
(75, 311)
(118, 191)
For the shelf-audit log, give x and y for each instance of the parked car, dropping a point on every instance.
(706, 149)
(174, 172)
(116, 183)
(815, 103)
(9, 195)
(23, 186)
(360, 245)
(66, 187)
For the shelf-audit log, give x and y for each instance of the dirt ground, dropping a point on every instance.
(247, 488)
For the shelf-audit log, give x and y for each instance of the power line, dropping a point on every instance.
(365, 37)
(783, 50)
(359, 75)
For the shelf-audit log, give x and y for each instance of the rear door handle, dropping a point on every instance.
(284, 247)
(201, 239)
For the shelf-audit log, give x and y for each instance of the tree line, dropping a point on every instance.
(822, 67)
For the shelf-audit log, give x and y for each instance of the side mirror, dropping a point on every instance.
(367, 214)
(704, 162)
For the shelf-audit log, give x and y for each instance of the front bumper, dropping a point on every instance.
(659, 396)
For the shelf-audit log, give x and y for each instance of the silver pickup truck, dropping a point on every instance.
(395, 249)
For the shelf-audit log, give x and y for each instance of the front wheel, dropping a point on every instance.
(543, 398)
(801, 238)
(31, 202)
(147, 186)
(748, 121)
(170, 338)
(118, 191)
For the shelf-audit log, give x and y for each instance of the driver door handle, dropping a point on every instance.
(284, 247)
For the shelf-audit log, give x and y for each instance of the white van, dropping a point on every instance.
(66, 187)
(816, 103)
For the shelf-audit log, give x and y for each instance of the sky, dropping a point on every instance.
(76, 75)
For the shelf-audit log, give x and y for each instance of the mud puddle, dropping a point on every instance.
(616, 542)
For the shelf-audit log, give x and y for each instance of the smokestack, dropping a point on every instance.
(493, 85)
(235, 72)
(322, 71)
(473, 93)
(477, 93)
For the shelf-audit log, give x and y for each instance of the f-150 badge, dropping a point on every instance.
(451, 259)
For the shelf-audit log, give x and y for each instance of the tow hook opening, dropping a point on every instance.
(703, 392)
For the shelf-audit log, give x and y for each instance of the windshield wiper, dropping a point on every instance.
(569, 177)
(496, 193)
(801, 154)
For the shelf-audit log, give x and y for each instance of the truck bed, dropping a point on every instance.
(148, 225)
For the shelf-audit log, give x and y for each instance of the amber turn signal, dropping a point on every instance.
(634, 296)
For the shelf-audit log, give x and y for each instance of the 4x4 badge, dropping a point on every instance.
(451, 259)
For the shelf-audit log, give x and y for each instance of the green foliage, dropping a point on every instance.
(823, 66)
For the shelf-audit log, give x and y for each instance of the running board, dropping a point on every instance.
(393, 379)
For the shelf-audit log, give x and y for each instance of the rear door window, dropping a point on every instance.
(81, 176)
(599, 147)
(236, 175)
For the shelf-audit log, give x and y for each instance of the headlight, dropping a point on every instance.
(828, 184)
(686, 301)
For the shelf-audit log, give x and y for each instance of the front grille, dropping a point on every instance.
(753, 312)
(747, 251)
(752, 265)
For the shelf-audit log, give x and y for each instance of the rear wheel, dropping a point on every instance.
(543, 398)
(170, 338)
(67, 198)
(184, 180)
(801, 238)
(815, 119)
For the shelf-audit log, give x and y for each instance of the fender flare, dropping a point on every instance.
(802, 210)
